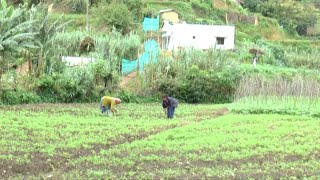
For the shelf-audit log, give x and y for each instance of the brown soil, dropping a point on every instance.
(40, 164)
(23, 68)
(219, 4)
(205, 114)
(125, 80)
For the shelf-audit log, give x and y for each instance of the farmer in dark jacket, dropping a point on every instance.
(169, 104)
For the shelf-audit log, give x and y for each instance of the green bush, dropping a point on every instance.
(45, 88)
(136, 8)
(279, 54)
(18, 97)
(200, 7)
(79, 6)
(117, 15)
(127, 97)
(73, 85)
(194, 76)
(201, 86)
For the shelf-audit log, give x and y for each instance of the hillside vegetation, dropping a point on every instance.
(208, 12)
(273, 26)
(115, 32)
(203, 13)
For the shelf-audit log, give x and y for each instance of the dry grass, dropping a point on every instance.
(297, 86)
(220, 4)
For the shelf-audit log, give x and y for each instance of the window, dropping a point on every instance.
(220, 41)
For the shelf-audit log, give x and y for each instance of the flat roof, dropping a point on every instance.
(167, 10)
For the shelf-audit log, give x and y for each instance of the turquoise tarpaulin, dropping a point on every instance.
(128, 66)
(150, 50)
(151, 24)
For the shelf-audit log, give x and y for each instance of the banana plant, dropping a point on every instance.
(43, 39)
(15, 35)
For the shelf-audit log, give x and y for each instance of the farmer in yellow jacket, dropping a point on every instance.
(109, 103)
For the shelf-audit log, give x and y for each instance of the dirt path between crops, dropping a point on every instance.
(52, 166)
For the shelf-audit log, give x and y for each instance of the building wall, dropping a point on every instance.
(171, 16)
(77, 61)
(200, 36)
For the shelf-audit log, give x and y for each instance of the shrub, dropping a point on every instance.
(127, 97)
(18, 97)
(200, 7)
(136, 7)
(79, 6)
(45, 88)
(73, 85)
(201, 86)
(117, 15)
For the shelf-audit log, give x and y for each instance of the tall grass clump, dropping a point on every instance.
(307, 58)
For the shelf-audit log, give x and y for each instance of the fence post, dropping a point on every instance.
(227, 18)
(256, 20)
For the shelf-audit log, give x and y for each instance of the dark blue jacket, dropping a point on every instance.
(170, 102)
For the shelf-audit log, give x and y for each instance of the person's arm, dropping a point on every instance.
(163, 104)
(113, 107)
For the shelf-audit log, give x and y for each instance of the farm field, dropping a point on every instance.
(74, 141)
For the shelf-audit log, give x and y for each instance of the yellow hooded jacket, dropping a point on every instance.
(109, 102)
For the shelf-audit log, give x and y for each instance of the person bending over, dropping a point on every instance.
(169, 104)
(109, 103)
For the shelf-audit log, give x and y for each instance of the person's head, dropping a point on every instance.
(164, 98)
(117, 100)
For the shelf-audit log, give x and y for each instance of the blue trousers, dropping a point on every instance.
(170, 112)
(103, 109)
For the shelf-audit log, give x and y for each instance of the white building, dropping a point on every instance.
(77, 61)
(198, 36)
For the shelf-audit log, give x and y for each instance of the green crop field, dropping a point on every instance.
(74, 141)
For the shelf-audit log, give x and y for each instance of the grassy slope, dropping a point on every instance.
(268, 28)
(76, 142)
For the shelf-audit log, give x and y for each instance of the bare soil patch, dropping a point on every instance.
(205, 114)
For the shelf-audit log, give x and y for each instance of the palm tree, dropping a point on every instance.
(15, 35)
